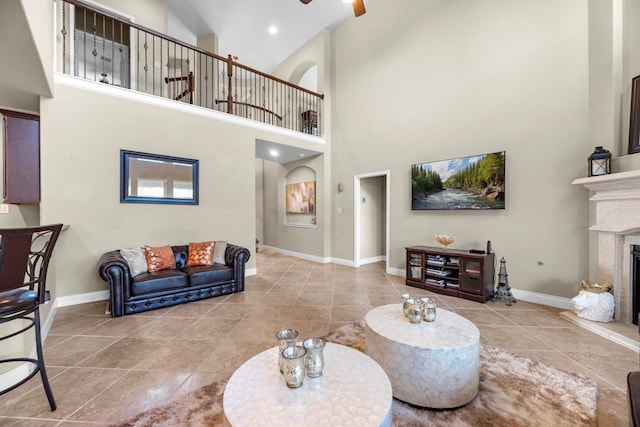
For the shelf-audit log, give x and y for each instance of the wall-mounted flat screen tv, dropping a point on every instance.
(472, 182)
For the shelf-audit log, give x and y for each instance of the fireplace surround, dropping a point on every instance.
(617, 224)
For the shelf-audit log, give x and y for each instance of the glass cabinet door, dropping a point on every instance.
(470, 276)
(415, 264)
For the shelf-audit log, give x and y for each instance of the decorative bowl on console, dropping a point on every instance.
(445, 239)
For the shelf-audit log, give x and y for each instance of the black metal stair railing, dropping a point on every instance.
(95, 44)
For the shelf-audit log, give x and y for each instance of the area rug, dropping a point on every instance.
(514, 391)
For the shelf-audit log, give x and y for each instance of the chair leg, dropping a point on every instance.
(40, 362)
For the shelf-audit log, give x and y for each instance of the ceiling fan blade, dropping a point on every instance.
(306, 1)
(358, 7)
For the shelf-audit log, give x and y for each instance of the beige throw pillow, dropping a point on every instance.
(219, 251)
(136, 260)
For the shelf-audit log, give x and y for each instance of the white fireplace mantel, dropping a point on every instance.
(617, 223)
(612, 182)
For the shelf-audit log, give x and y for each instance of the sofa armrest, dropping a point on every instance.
(113, 268)
(236, 257)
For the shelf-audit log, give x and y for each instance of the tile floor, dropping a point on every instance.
(103, 370)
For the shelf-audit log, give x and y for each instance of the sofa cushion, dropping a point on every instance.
(146, 283)
(205, 275)
(136, 260)
(200, 254)
(159, 258)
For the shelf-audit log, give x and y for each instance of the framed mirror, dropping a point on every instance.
(154, 178)
(634, 122)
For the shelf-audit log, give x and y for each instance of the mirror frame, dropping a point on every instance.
(126, 155)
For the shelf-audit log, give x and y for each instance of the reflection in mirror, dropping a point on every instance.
(153, 178)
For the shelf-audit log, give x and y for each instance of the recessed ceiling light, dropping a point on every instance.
(273, 153)
(273, 29)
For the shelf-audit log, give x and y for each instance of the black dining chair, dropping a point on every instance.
(24, 259)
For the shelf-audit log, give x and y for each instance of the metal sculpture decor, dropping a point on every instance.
(503, 291)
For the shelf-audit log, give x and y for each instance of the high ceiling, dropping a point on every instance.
(242, 26)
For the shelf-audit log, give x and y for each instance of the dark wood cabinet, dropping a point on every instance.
(310, 122)
(21, 155)
(451, 272)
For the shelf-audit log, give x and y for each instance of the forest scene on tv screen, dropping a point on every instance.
(473, 182)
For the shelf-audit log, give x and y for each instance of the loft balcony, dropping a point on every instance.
(97, 45)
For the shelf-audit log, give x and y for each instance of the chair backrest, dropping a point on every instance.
(24, 257)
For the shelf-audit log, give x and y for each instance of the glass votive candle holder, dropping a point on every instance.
(414, 311)
(294, 370)
(286, 338)
(405, 304)
(314, 360)
(429, 309)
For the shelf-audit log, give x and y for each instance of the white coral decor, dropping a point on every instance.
(593, 306)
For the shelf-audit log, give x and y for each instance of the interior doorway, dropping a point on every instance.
(371, 217)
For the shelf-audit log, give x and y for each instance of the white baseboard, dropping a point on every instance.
(82, 298)
(373, 260)
(250, 272)
(396, 271)
(345, 262)
(15, 375)
(544, 299)
(48, 322)
(322, 260)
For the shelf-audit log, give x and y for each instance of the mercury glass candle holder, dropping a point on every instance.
(414, 312)
(405, 304)
(314, 360)
(429, 309)
(294, 369)
(286, 338)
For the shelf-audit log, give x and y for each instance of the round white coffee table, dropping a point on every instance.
(352, 390)
(434, 365)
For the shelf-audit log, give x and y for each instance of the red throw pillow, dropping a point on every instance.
(200, 254)
(159, 258)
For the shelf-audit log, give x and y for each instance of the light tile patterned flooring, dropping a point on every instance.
(103, 370)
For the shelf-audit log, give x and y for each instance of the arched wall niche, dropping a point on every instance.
(300, 197)
(305, 75)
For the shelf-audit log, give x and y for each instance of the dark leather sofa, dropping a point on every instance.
(633, 396)
(149, 291)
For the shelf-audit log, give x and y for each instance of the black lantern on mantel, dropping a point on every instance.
(600, 162)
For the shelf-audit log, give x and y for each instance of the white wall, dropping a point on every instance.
(81, 134)
(153, 14)
(260, 200)
(459, 78)
(26, 51)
